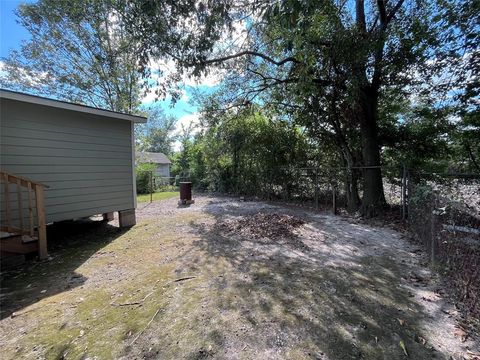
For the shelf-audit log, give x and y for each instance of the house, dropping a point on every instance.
(159, 159)
(74, 161)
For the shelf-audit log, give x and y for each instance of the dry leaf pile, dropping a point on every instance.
(263, 225)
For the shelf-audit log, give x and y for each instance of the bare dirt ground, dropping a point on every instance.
(228, 280)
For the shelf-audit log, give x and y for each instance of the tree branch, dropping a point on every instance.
(395, 10)
(360, 16)
(253, 53)
(382, 13)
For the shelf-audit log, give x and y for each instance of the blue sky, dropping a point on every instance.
(12, 34)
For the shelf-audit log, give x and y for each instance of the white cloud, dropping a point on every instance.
(149, 97)
(32, 78)
(184, 96)
(183, 123)
(230, 42)
(162, 69)
(213, 78)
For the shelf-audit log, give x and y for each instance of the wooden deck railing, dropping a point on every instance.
(35, 196)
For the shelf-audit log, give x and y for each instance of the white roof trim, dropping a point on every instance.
(33, 99)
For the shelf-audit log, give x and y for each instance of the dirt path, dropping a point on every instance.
(198, 282)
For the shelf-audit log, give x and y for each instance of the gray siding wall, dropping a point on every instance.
(163, 170)
(85, 159)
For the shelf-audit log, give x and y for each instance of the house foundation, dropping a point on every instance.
(108, 216)
(126, 218)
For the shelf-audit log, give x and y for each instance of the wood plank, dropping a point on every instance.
(20, 202)
(15, 244)
(15, 230)
(6, 196)
(30, 208)
(42, 229)
(24, 181)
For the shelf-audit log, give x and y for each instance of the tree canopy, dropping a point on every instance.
(336, 68)
(352, 84)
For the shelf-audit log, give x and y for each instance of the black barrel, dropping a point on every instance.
(185, 191)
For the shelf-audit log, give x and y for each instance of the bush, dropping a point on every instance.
(144, 172)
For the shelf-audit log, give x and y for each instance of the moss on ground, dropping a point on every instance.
(166, 290)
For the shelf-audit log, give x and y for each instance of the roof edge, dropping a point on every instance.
(39, 100)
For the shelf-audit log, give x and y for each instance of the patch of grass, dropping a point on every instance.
(158, 196)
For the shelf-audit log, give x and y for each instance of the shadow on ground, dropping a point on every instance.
(292, 303)
(70, 244)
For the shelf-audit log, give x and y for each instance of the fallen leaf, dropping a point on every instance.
(461, 334)
(403, 347)
(402, 322)
(420, 339)
(470, 355)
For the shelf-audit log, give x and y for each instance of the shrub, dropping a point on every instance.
(144, 172)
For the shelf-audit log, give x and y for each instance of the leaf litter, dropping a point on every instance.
(262, 225)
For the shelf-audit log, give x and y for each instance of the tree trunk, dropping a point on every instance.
(351, 191)
(373, 194)
(351, 175)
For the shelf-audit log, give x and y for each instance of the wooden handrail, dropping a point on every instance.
(13, 179)
(31, 186)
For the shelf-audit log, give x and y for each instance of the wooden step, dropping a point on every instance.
(19, 244)
(10, 260)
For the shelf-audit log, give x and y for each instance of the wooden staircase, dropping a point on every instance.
(22, 224)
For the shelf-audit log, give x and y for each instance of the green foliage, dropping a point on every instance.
(350, 84)
(79, 51)
(244, 153)
(423, 194)
(419, 139)
(157, 134)
(144, 173)
(467, 143)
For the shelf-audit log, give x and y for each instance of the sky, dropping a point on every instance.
(12, 34)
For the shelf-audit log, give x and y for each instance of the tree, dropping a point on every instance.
(157, 135)
(79, 51)
(460, 61)
(340, 54)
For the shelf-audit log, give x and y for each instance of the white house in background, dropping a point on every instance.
(159, 159)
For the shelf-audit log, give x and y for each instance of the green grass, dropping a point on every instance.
(158, 196)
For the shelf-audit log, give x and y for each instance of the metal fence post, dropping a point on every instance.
(433, 235)
(432, 238)
(151, 186)
(334, 200)
(404, 193)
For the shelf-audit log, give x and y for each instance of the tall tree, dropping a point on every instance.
(337, 59)
(157, 135)
(342, 54)
(79, 51)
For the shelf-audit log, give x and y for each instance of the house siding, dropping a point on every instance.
(85, 159)
(163, 170)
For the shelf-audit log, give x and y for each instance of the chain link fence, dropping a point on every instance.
(148, 182)
(322, 188)
(441, 211)
(444, 216)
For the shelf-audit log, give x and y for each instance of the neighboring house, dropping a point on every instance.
(83, 155)
(159, 159)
